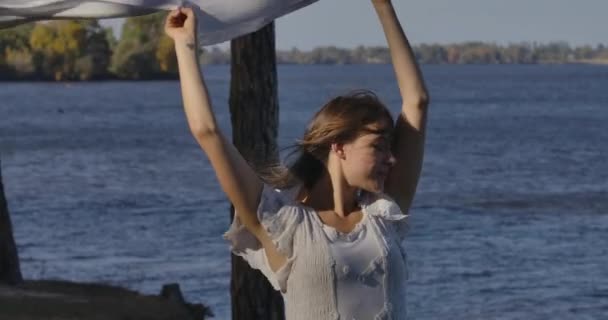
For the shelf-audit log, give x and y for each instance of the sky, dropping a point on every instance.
(348, 23)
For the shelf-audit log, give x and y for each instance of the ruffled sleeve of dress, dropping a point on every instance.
(280, 220)
(396, 222)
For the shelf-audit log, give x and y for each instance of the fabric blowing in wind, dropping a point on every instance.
(220, 20)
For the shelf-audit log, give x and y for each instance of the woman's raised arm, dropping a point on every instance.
(238, 180)
(408, 146)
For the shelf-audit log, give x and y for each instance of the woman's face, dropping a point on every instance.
(366, 161)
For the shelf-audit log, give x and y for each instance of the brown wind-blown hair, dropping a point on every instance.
(341, 120)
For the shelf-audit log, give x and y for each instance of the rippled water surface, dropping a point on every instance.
(105, 184)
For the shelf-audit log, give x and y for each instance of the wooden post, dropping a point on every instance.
(10, 273)
(254, 114)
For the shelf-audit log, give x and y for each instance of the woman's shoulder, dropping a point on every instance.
(387, 213)
(279, 198)
(281, 202)
(381, 205)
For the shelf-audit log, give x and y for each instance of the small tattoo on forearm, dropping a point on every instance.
(191, 46)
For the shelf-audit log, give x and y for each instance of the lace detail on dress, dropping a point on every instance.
(375, 267)
(382, 205)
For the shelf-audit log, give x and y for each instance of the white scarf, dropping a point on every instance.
(219, 20)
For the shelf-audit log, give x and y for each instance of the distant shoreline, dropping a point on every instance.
(36, 52)
(176, 77)
(597, 62)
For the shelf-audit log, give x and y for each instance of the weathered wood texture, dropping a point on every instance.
(10, 272)
(254, 114)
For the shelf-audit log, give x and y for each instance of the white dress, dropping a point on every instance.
(219, 20)
(313, 281)
(359, 282)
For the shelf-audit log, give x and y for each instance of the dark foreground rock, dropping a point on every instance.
(62, 300)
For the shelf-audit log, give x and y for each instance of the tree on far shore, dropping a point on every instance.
(70, 50)
(144, 51)
(15, 52)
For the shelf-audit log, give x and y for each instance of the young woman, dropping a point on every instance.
(328, 231)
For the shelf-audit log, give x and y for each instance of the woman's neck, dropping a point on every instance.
(332, 194)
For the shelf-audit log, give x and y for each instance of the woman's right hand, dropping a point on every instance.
(180, 25)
